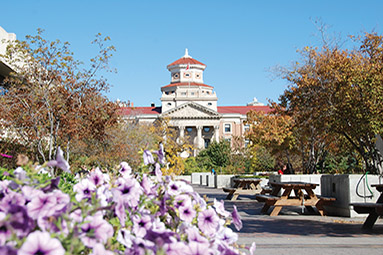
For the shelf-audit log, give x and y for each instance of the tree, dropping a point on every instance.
(341, 91)
(216, 155)
(50, 100)
(271, 130)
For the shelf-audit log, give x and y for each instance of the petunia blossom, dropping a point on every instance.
(41, 243)
(59, 162)
(236, 219)
(84, 189)
(42, 205)
(220, 208)
(94, 230)
(160, 154)
(148, 157)
(208, 221)
(187, 213)
(99, 249)
(125, 168)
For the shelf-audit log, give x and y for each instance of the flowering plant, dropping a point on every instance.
(103, 214)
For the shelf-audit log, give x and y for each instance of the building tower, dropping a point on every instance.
(187, 85)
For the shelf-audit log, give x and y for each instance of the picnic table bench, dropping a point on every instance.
(243, 186)
(374, 210)
(299, 198)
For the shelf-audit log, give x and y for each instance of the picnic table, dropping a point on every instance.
(303, 196)
(243, 186)
(374, 210)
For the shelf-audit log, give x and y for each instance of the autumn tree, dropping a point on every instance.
(174, 146)
(273, 131)
(51, 99)
(340, 91)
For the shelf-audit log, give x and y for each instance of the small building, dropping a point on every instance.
(192, 106)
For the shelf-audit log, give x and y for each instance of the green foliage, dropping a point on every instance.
(191, 166)
(261, 159)
(339, 164)
(216, 155)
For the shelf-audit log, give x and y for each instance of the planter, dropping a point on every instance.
(343, 188)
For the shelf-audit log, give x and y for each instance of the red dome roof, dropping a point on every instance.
(186, 84)
(185, 61)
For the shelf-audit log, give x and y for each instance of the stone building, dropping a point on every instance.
(192, 106)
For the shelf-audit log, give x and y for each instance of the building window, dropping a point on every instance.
(209, 104)
(206, 129)
(192, 93)
(227, 128)
(189, 129)
(183, 93)
(169, 103)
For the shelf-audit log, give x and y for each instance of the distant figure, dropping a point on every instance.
(212, 171)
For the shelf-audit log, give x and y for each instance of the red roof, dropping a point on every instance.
(186, 84)
(185, 61)
(140, 110)
(221, 109)
(243, 109)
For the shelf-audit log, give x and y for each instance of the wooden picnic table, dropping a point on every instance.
(303, 195)
(243, 186)
(374, 210)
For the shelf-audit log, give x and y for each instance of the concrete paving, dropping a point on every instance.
(296, 231)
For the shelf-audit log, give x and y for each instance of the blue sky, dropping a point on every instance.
(239, 41)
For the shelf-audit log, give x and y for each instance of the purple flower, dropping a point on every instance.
(41, 243)
(60, 162)
(160, 154)
(227, 235)
(194, 235)
(220, 208)
(177, 248)
(99, 249)
(8, 250)
(236, 218)
(129, 190)
(96, 177)
(187, 213)
(208, 221)
(182, 200)
(148, 157)
(145, 184)
(177, 187)
(20, 173)
(94, 230)
(196, 248)
(84, 189)
(19, 220)
(120, 211)
(124, 237)
(141, 224)
(125, 168)
(158, 172)
(42, 205)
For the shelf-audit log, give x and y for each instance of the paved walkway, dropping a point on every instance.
(294, 232)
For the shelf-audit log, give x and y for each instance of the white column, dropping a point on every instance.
(199, 137)
(216, 133)
(182, 131)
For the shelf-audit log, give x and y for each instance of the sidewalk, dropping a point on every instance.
(292, 232)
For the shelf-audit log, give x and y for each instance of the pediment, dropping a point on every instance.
(191, 111)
